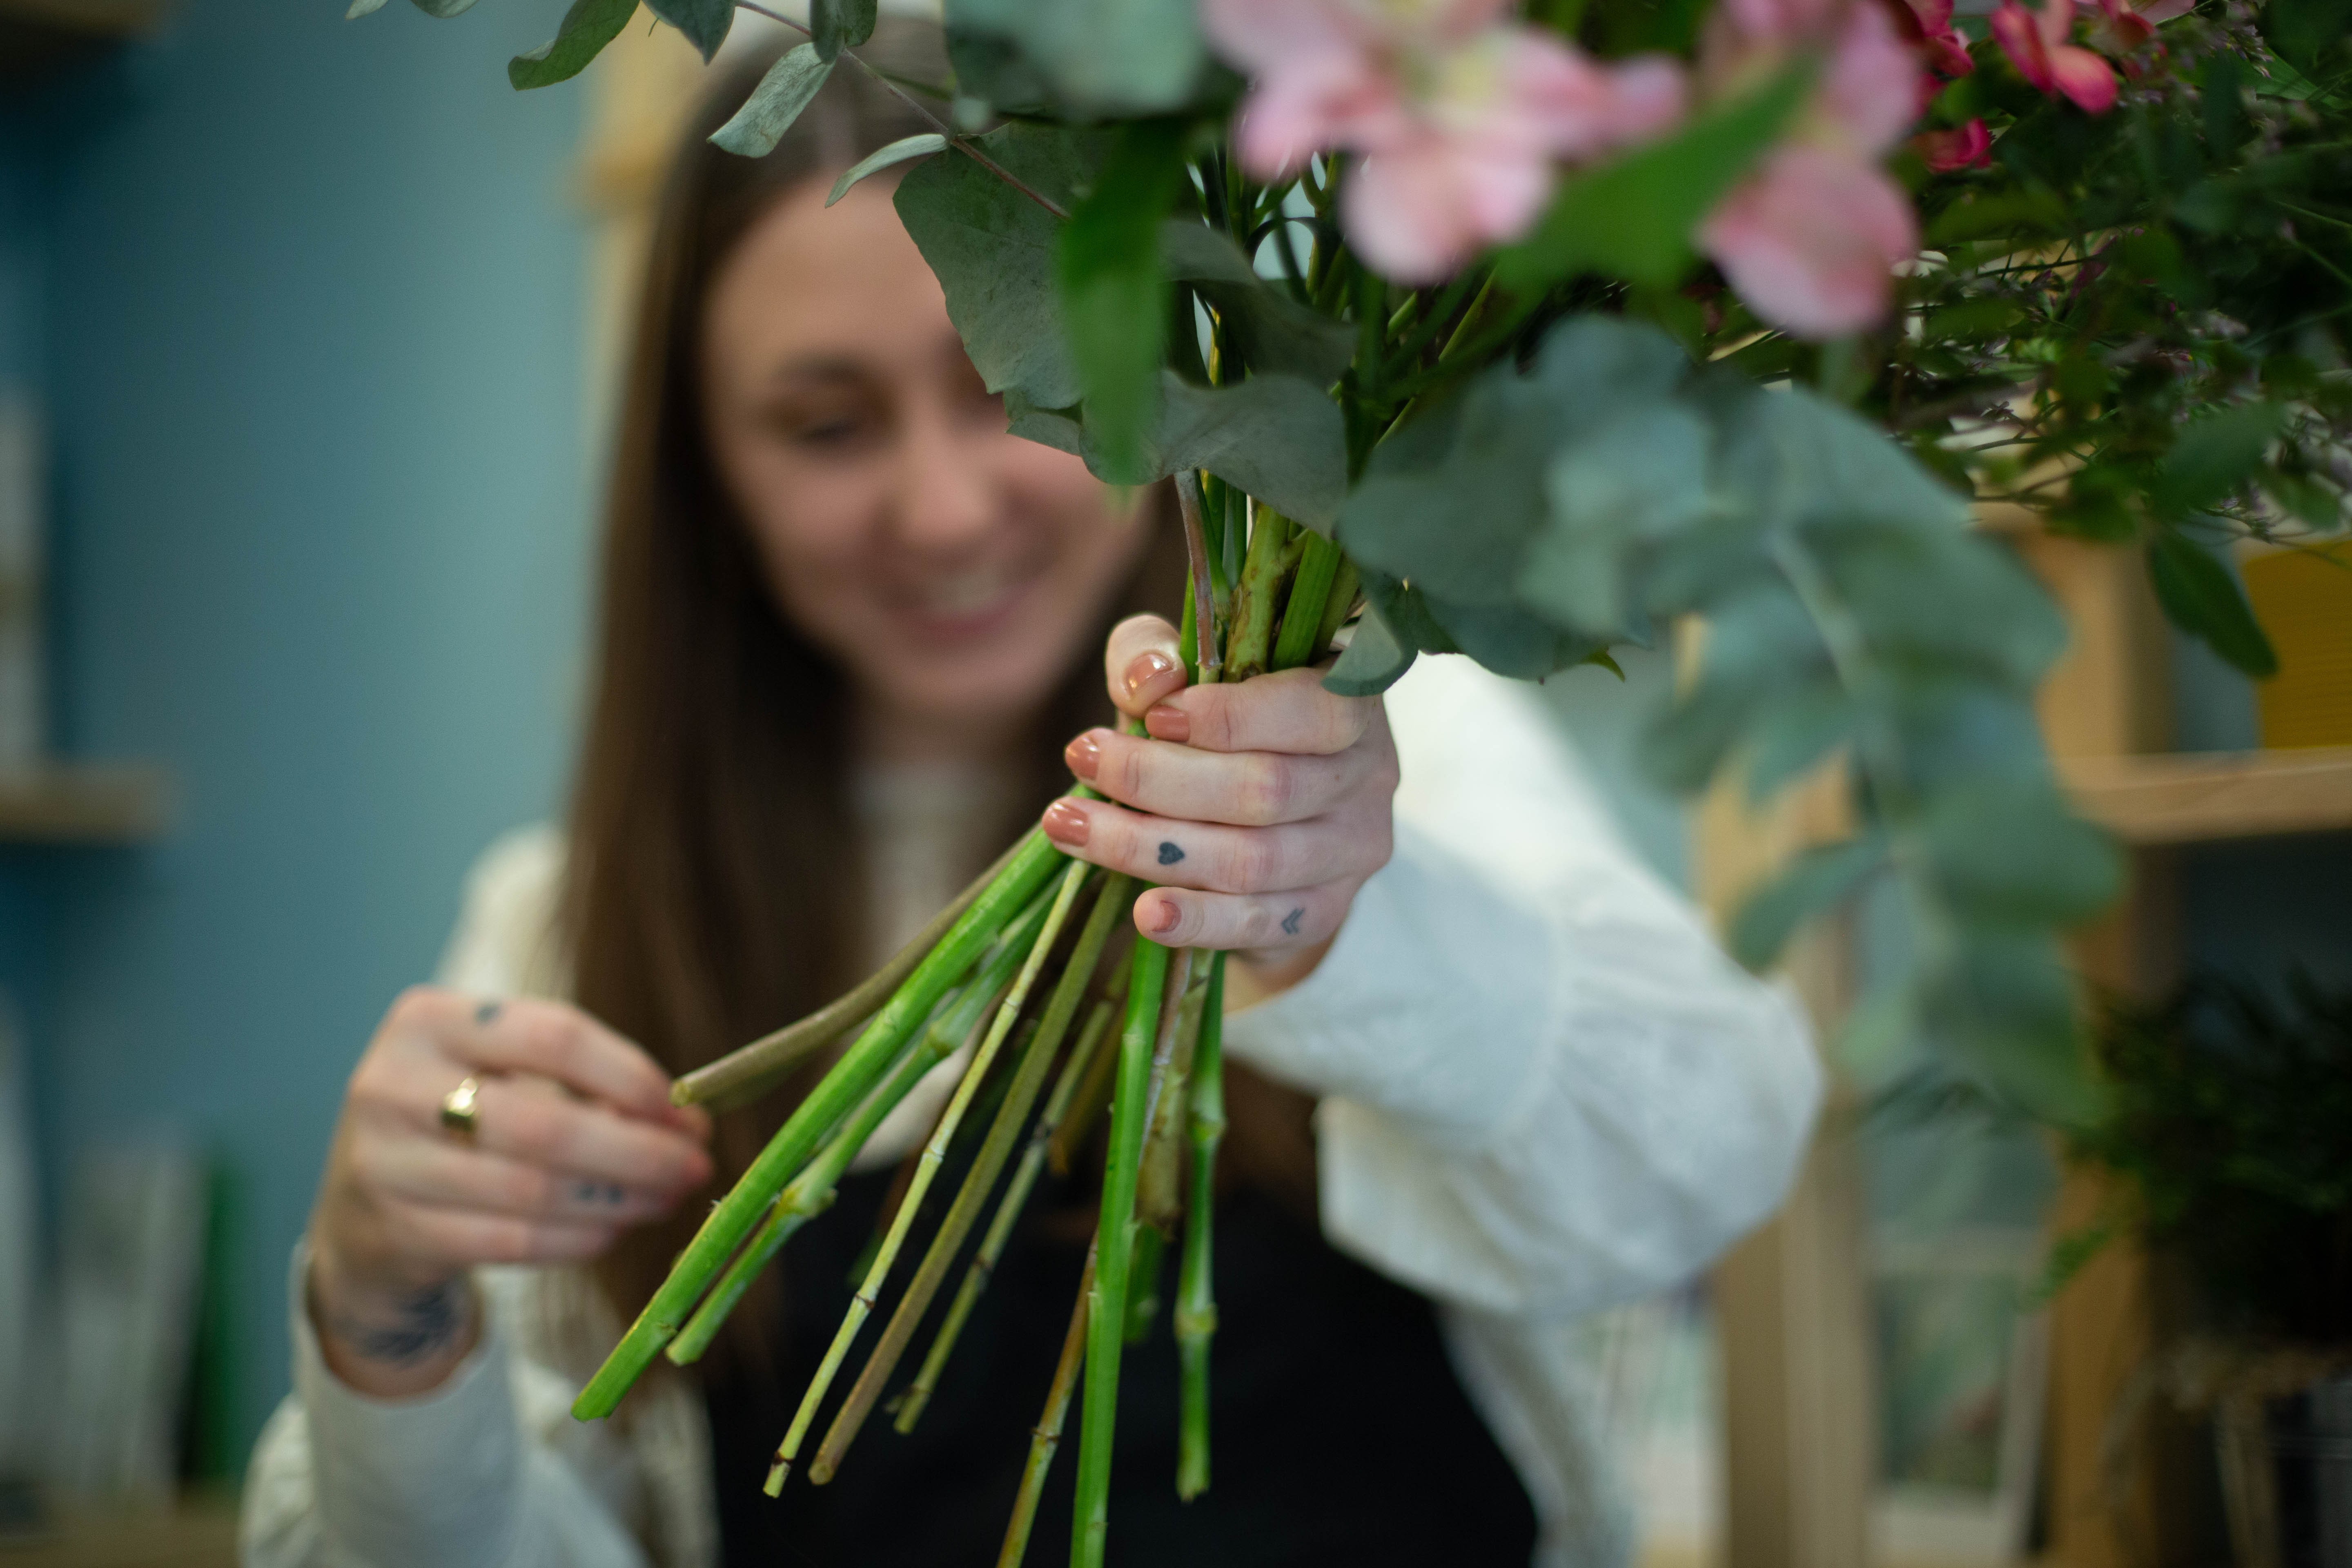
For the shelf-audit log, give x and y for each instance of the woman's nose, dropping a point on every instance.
(947, 495)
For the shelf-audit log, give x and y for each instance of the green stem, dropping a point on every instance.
(1145, 1044)
(1303, 617)
(1196, 1303)
(734, 1217)
(1143, 1282)
(1008, 1212)
(1004, 1131)
(1338, 603)
(861, 1305)
(1047, 1436)
(1255, 602)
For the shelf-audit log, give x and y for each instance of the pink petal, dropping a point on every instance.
(2013, 28)
(1407, 213)
(1873, 91)
(1969, 147)
(1949, 54)
(1262, 36)
(1812, 240)
(2163, 11)
(1296, 113)
(2083, 76)
(1576, 109)
(2057, 22)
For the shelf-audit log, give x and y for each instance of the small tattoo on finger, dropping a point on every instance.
(1168, 853)
(1290, 921)
(487, 1013)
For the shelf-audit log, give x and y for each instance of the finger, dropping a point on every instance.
(1248, 789)
(1211, 857)
(1182, 916)
(558, 1042)
(470, 1236)
(1141, 663)
(576, 1138)
(450, 1176)
(1287, 711)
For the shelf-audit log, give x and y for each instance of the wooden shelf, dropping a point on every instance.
(2197, 797)
(65, 803)
(38, 37)
(199, 1534)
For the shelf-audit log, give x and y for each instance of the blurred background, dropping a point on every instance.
(306, 331)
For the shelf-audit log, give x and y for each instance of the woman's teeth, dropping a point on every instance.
(966, 593)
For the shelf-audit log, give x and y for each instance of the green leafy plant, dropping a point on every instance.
(1557, 329)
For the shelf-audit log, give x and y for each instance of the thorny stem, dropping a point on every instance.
(734, 1216)
(1047, 1436)
(1029, 1077)
(1008, 1213)
(741, 1076)
(1196, 1303)
(861, 1305)
(955, 139)
(1154, 1007)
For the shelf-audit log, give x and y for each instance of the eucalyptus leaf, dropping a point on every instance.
(2004, 1011)
(1373, 660)
(1641, 476)
(1274, 331)
(2009, 851)
(788, 87)
(1101, 58)
(359, 8)
(1634, 218)
(444, 9)
(838, 24)
(1273, 437)
(992, 248)
(904, 149)
(586, 28)
(1112, 287)
(704, 22)
(2201, 596)
(1814, 882)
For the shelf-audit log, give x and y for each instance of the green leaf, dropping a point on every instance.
(1510, 640)
(1373, 660)
(1274, 331)
(444, 9)
(2005, 1012)
(1634, 218)
(1273, 437)
(787, 89)
(1816, 880)
(2214, 455)
(704, 22)
(904, 149)
(838, 24)
(587, 27)
(1641, 476)
(363, 9)
(1113, 288)
(992, 250)
(2009, 851)
(2310, 35)
(2201, 596)
(1101, 58)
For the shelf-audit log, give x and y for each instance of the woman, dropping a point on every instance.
(847, 631)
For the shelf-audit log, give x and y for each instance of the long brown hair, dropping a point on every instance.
(715, 874)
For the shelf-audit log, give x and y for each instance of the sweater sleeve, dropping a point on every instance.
(487, 1470)
(1544, 1089)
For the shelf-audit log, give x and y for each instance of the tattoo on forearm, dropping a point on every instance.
(1169, 854)
(1290, 921)
(487, 1013)
(420, 1326)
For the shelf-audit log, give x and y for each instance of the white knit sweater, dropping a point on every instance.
(1544, 1092)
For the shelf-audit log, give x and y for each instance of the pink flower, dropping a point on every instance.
(1969, 147)
(2035, 43)
(1810, 241)
(1928, 24)
(1460, 117)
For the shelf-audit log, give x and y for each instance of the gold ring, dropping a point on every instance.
(458, 1107)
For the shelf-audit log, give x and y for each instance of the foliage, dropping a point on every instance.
(2231, 1113)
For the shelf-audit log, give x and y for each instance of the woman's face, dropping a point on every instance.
(952, 568)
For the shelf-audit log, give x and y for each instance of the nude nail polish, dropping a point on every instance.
(1066, 824)
(1167, 918)
(1166, 724)
(1084, 755)
(1147, 667)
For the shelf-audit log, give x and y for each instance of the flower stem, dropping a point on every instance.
(1200, 643)
(861, 1305)
(1008, 1212)
(1309, 591)
(743, 1075)
(1047, 1436)
(1144, 1047)
(1338, 604)
(1029, 1077)
(735, 1215)
(1257, 599)
(1196, 1304)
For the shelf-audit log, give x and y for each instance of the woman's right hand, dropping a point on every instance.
(575, 1140)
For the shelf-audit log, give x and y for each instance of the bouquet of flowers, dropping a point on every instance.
(1521, 332)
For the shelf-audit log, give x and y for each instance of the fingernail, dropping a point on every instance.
(1066, 824)
(1147, 667)
(1167, 918)
(1166, 724)
(1084, 755)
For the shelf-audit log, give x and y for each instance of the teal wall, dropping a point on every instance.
(304, 299)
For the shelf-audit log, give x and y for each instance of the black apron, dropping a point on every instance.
(1338, 1433)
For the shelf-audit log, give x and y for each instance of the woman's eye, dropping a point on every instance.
(823, 430)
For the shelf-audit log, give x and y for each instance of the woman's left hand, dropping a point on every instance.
(1259, 808)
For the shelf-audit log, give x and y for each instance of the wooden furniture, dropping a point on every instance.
(38, 37)
(67, 803)
(200, 1533)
